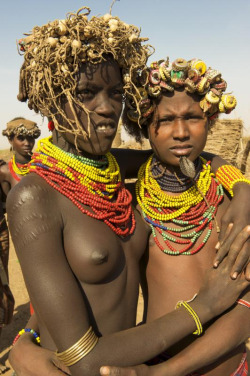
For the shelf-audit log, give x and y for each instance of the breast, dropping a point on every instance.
(95, 253)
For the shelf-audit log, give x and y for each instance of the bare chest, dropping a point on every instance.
(177, 277)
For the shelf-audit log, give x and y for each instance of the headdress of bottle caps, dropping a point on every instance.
(54, 52)
(194, 77)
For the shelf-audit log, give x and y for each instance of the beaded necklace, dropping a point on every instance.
(188, 210)
(18, 168)
(172, 182)
(96, 184)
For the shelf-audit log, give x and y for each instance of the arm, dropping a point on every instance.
(178, 324)
(224, 335)
(235, 230)
(45, 361)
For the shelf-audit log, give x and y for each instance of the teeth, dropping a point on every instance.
(103, 127)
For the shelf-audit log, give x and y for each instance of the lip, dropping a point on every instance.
(107, 128)
(180, 150)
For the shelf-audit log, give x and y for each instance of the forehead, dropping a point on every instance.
(107, 72)
(179, 101)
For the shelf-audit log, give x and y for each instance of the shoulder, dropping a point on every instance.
(32, 209)
(216, 160)
(31, 194)
(4, 171)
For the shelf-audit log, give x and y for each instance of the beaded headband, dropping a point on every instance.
(53, 54)
(194, 77)
(21, 127)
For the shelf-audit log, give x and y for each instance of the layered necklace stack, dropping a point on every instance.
(188, 210)
(18, 168)
(92, 183)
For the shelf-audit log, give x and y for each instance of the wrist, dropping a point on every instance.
(202, 308)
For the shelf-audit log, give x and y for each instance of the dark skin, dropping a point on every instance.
(96, 278)
(182, 130)
(22, 147)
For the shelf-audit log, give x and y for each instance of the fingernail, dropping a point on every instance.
(235, 275)
(104, 371)
(217, 247)
(216, 263)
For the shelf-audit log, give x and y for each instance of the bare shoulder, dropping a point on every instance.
(4, 172)
(216, 160)
(32, 208)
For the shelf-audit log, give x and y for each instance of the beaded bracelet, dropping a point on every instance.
(193, 314)
(27, 330)
(228, 176)
(243, 302)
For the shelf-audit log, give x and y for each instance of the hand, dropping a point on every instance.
(219, 291)
(141, 370)
(235, 232)
(29, 359)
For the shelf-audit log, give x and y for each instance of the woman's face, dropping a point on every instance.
(22, 145)
(181, 128)
(100, 89)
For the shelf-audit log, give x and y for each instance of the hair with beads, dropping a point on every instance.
(53, 54)
(162, 77)
(19, 126)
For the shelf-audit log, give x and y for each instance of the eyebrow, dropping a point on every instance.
(90, 85)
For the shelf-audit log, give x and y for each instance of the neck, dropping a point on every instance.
(22, 159)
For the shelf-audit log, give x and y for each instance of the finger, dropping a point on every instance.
(112, 371)
(241, 262)
(233, 243)
(247, 272)
(224, 233)
(225, 229)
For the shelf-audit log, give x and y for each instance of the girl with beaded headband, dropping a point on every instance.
(72, 73)
(21, 134)
(182, 201)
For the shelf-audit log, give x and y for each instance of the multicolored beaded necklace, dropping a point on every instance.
(188, 210)
(94, 183)
(18, 168)
(172, 182)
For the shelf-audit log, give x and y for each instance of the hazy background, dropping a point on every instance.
(216, 31)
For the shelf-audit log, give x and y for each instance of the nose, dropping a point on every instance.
(181, 130)
(104, 105)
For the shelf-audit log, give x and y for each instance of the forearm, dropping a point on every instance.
(156, 337)
(220, 339)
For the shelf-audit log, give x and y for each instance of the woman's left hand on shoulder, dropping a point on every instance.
(234, 237)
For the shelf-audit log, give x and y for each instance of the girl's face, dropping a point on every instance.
(22, 145)
(181, 128)
(100, 89)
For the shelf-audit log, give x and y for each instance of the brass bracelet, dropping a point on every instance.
(80, 349)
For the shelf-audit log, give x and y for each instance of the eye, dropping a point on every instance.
(118, 92)
(166, 120)
(193, 117)
(85, 93)
(20, 138)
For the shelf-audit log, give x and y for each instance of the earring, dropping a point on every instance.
(11, 148)
(51, 125)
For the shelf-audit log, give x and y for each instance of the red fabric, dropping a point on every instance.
(31, 309)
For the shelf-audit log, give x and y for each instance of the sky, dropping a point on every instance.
(216, 31)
